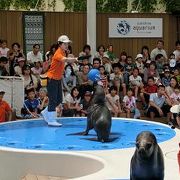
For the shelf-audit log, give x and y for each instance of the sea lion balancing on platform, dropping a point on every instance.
(99, 116)
(147, 162)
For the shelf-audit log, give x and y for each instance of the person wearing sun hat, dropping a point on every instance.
(54, 76)
(5, 109)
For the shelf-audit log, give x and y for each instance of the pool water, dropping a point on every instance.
(36, 135)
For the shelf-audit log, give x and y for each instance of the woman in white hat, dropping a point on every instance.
(54, 75)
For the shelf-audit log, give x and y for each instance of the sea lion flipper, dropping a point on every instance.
(78, 133)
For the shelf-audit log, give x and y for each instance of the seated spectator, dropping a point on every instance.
(110, 53)
(176, 74)
(128, 69)
(18, 68)
(72, 103)
(69, 79)
(107, 64)
(122, 59)
(139, 64)
(157, 106)
(37, 69)
(84, 83)
(43, 99)
(113, 102)
(129, 104)
(159, 59)
(100, 52)
(177, 50)
(30, 81)
(85, 103)
(118, 74)
(145, 93)
(175, 96)
(31, 105)
(170, 89)
(145, 53)
(83, 60)
(13, 54)
(3, 49)
(103, 78)
(135, 82)
(166, 78)
(86, 52)
(3, 62)
(158, 50)
(35, 55)
(172, 62)
(5, 109)
(96, 63)
(151, 71)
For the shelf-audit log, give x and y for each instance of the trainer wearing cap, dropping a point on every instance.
(55, 74)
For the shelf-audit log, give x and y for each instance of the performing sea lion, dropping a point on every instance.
(147, 162)
(98, 117)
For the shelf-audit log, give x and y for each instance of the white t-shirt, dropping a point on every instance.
(157, 51)
(71, 100)
(3, 52)
(129, 102)
(177, 55)
(114, 99)
(135, 81)
(31, 57)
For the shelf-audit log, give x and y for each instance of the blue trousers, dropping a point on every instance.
(54, 89)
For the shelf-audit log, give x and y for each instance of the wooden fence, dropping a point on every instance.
(74, 25)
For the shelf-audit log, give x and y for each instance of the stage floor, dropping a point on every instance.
(113, 158)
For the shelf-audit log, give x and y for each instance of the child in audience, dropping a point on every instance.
(175, 96)
(43, 99)
(151, 87)
(85, 103)
(128, 69)
(129, 103)
(139, 64)
(113, 102)
(136, 82)
(118, 74)
(31, 105)
(166, 78)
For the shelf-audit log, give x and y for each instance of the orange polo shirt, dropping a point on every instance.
(56, 69)
(4, 108)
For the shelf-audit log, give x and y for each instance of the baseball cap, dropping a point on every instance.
(64, 39)
(172, 63)
(175, 109)
(139, 56)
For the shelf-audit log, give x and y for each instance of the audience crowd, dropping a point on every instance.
(152, 78)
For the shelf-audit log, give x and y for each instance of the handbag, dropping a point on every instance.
(43, 80)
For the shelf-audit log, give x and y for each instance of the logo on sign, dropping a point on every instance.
(123, 27)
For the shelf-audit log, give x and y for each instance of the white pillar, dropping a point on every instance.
(91, 25)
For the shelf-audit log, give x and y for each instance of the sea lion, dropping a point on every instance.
(147, 163)
(99, 116)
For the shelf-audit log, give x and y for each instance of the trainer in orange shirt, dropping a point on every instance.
(5, 110)
(54, 75)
